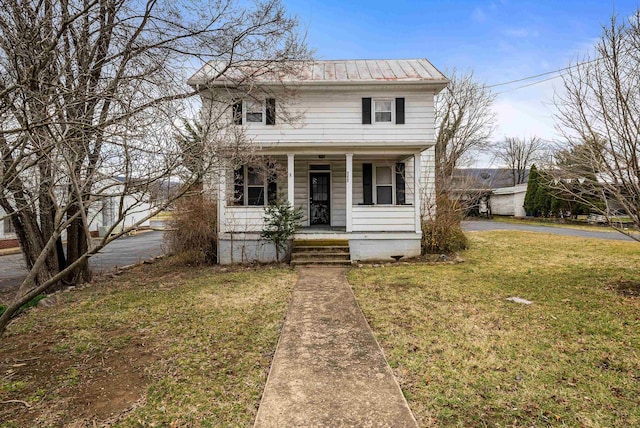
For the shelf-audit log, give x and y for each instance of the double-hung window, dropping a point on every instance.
(255, 187)
(383, 111)
(384, 185)
(254, 111)
(8, 226)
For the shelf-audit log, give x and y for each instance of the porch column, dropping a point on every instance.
(417, 176)
(222, 196)
(290, 179)
(349, 191)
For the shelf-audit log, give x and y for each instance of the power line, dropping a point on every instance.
(558, 71)
(528, 84)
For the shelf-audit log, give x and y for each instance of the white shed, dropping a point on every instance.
(509, 200)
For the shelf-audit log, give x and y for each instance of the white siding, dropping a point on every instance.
(383, 219)
(331, 116)
(428, 182)
(244, 219)
(509, 201)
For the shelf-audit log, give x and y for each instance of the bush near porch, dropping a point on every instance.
(465, 356)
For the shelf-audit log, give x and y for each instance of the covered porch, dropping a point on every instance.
(372, 199)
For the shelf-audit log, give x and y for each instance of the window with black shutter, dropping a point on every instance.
(238, 186)
(272, 184)
(400, 184)
(237, 113)
(366, 111)
(399, 111)
(367, 183)
(271, 111)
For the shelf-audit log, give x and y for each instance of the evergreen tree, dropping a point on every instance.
(532, 188)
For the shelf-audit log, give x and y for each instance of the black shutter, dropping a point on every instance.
(238, 186)
(367, 183)
(366, 111)
(271, 111)
(400, 186)
(272, 180)
(399, 111)
(237, 113)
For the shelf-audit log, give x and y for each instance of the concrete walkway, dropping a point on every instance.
(328, 370)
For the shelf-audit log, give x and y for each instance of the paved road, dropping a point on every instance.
(124, 251)
(485, 225)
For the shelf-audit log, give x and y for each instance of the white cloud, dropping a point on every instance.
(527, 112)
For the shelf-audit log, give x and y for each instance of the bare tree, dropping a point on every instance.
(518, 154)
(599, 116)
(464, 122)
(89, 90)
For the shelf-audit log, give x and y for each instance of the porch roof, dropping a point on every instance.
(375, 148)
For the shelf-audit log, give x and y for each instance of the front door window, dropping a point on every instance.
(319, 206)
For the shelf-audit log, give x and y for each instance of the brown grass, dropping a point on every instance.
(467, 357)
(162, 345)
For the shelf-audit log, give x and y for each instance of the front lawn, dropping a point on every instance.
(465, 356)
(161, 345)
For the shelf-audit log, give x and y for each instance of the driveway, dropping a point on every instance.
(486, 225)
(121, 252)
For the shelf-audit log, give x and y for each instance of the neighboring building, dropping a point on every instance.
(490, 191)
(133, 211)
(7, 234)
(116, 208)
(509, 201)
(349, 141)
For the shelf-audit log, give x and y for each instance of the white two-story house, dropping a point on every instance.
(347, 137)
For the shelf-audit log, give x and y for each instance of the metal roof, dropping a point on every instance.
(319, 72)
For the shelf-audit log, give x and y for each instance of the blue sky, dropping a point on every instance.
(500, 40)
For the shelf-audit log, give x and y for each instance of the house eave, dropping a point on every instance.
(432, 85)
(356, 147)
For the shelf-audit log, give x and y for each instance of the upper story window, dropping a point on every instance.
(390, 110)
(254, 111)
(383, 110)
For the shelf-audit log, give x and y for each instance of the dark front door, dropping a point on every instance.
(319, 207)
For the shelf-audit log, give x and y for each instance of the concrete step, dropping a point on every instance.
(321, 243)
(320, 262)
(320, 256)
(315, 249)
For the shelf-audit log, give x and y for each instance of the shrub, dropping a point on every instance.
(193, 230)
(281, 221)
(442, 233)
